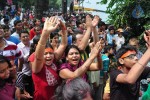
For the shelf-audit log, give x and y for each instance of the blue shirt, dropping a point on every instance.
(110, 38)
(14, 40)
(106, 63)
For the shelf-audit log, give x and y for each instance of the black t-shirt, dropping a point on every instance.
(122, 91)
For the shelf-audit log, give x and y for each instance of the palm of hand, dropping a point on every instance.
(88, 21)
(96, 49)
(95, 22)
(49, 27)
(51, 24)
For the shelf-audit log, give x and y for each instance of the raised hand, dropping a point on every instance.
(88, 21)
(96, 49)
(63, 28)
(62, 25)
(95, 21)
(51, 24)
(147, 37)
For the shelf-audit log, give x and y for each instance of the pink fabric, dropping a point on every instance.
(73, 68)
(7, 92)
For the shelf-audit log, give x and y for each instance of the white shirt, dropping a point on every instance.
(119, 41)
(25, 52)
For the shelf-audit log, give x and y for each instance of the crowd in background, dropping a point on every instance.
(70, 57)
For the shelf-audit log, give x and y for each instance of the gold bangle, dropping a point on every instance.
(43, 45)
(140, 64)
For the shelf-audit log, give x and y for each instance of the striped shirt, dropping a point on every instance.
(11, 51)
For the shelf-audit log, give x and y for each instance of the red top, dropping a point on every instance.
(33, 33)
(43, 91)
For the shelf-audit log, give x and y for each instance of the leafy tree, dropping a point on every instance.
(121, 14)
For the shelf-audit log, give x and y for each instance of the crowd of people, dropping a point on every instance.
(76, 57)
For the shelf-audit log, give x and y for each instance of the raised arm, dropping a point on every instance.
(98, 65)
(94, 30)
(49, 26)
(64, 41)
(138, 67)
(66, 73)
(84, 41)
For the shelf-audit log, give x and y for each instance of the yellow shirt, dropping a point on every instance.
(107, 87)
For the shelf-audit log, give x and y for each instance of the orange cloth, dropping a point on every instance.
(128, 53)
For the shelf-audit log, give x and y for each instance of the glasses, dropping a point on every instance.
(131, 56)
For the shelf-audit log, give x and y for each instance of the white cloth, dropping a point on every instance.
(119, 41)
(25, 51)
(51, 80)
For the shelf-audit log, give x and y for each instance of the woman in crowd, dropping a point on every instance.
(7, 86)
(73, 89)
(75, 67)
(44, 68)
(54, 37)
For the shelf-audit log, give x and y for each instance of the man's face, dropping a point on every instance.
(19, 26)
(78, 39)
(129, 59)
(24, 38)
(112, 31)
(38, 22)
(7, 33)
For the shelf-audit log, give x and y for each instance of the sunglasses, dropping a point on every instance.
(131, 56)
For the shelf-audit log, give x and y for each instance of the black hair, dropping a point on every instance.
(23, 31)
(16, 22)
(101, 23)
(72, 89)
(33, 45)
(70, 47)
(9, 80)
(53, 34)
(78, 23)
(107, 48)
(6, 20)
(5, 27)
(111, 27)
(123, 50)
(34, 21)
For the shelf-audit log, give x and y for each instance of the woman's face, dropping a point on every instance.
(4, 70)
(55, 39)
(49, 57)
(73, 56)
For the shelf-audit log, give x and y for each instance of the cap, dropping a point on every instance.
(120, 30)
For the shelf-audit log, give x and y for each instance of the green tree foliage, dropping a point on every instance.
(121, 14)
